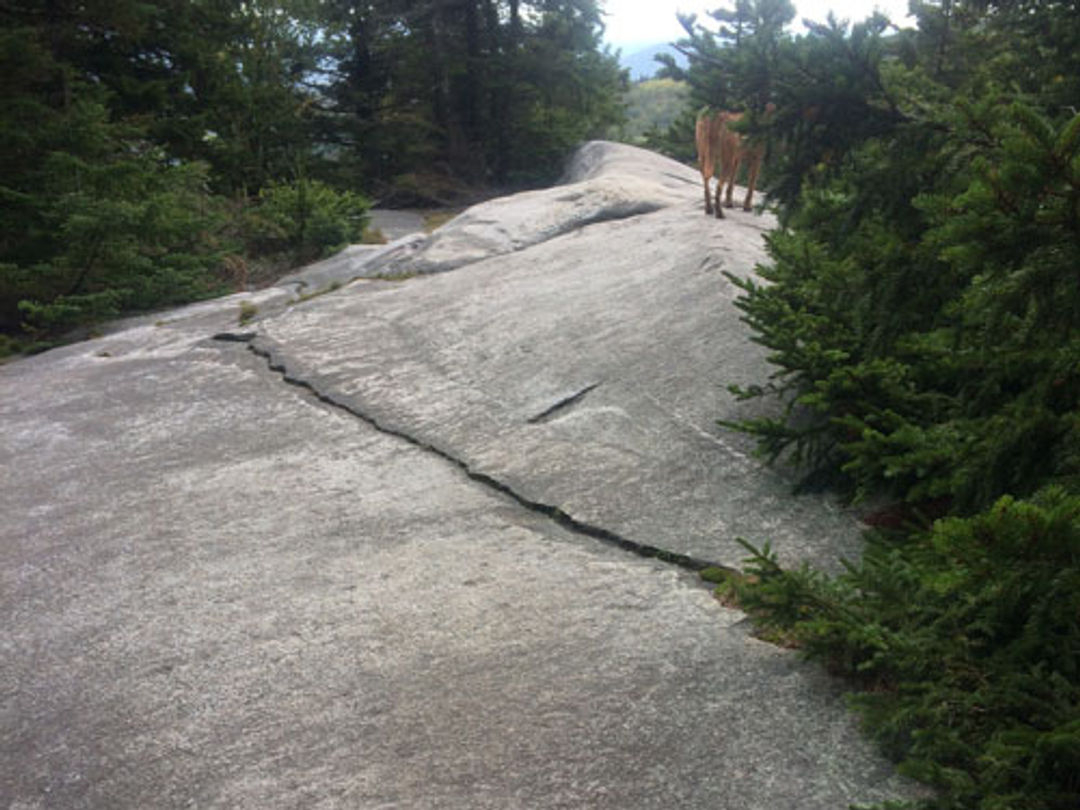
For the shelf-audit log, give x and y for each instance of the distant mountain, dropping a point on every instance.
(652, 105)
(641, 61)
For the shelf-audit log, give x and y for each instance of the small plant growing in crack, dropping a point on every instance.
(334, 286)
(435, 220)
(727, 584)
(373, 236)
(774, 599)
(404, 275)
(736, 590)
(248, 311)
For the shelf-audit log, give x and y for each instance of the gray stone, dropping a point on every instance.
(221, 591)
(602, 183)
(404, 231)
(396, 223)
(634, 313)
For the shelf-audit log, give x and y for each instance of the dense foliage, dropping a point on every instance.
(964, 643)
(921, 307)
(158, 151)
(496, 90)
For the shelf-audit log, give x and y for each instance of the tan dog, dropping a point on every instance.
(717, 144)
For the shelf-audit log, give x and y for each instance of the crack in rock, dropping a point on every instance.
(566, 402)
(234, 337)
(264, 348)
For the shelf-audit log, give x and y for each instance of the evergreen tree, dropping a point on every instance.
(96, 219)
(479, 90)
(920, 307)
(161, 136)
(881, 313)
(119, 123)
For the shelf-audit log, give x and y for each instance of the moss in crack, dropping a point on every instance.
(436, 219)
(248, 311)
(373, 236)
(404, 275)
(335, 285)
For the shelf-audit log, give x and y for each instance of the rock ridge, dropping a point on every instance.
(402, 579)
(277, 363)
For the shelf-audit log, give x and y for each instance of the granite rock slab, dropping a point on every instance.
(298, 562)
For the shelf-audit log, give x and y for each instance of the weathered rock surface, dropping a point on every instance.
(582, 365)
(394, 224)
(600, 184)
(219, 590)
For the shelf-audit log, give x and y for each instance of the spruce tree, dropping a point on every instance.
(920, 306)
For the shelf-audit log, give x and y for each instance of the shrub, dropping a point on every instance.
(248, 311)
(939, 352)
(307, 219)
(131, 233)
(964, 641)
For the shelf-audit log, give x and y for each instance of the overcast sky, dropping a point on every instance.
(642, 22)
